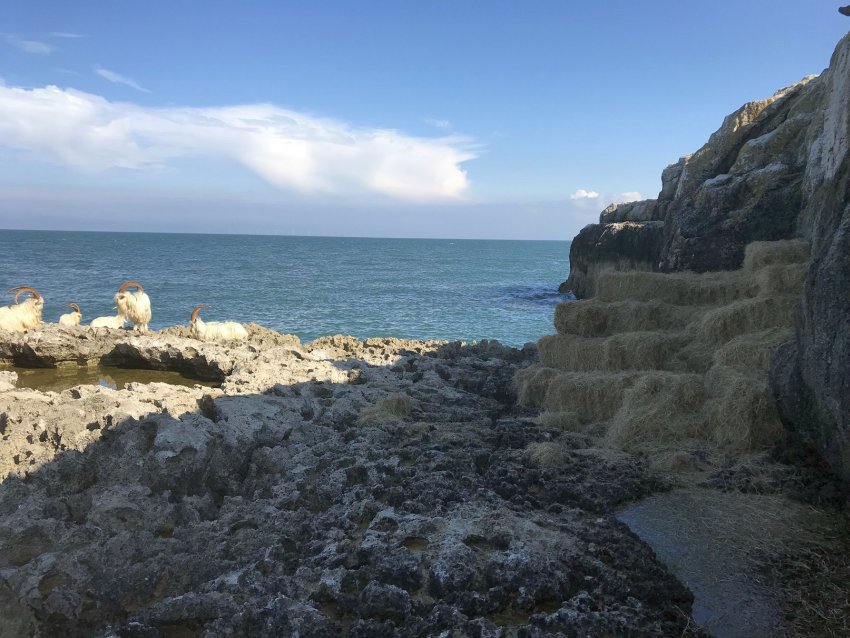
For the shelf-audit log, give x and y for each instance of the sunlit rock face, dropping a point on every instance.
(776, 169)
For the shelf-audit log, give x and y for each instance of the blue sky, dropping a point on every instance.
(454, 118)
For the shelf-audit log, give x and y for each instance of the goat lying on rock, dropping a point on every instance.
(72, 318)
(215, 330)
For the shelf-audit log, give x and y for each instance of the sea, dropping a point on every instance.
(309, 286)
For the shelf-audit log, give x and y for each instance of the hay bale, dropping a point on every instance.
(740, 412)
(394, 408)
(657, 410)
(748, 315)
(592, 396)
(533, 384)
(593, 318)
(752, 352)
(624, 351)
(547, 454)
(680, 289)
(781, 279)
(759, 254)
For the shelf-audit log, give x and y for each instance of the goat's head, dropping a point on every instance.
(38, 301)
(123, 290)
(194, 316)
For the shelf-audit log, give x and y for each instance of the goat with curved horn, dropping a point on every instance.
(215, 330)
(22, 315)
(134, 305)
(72, 318)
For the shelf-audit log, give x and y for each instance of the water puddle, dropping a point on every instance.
(64, 377)
(705, 538)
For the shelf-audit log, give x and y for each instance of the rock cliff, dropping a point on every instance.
(776, 169)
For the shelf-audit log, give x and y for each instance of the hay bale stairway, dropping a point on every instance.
(658, 359)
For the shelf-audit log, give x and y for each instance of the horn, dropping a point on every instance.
(195, 312)
(75, 307)
(131, 284)
(19, 290)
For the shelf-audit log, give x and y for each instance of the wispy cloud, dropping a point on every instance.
(67, 35)
(582, 194)
(288, 149)
(443, 125)
(34, 47)
(117, 78)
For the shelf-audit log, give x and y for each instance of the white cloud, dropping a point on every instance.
(28, 46)
(581, 194)
(290, 150)
(67, 35)
(117, 78)
(624, 198)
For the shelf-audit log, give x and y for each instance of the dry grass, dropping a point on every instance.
(781, 280)
(658, 410)
(624, 351)
(679, 289)
(759, 254)
(752, 351)
(740, 412)
(592, 318)
(722, 324)
(591, 396)
(665, 359)
(393, 408)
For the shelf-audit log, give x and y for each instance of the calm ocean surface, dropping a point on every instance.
(309, 286)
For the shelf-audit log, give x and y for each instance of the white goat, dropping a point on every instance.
(215, 330)
(116, 323)
(136, 306)
(71, 318)
(25, 315)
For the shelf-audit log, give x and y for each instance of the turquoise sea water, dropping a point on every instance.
(309, 286)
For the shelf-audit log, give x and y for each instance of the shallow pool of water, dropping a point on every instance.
(64, 377)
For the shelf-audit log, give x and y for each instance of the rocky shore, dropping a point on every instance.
(376, 488)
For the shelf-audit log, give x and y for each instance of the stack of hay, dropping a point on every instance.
(658, 359)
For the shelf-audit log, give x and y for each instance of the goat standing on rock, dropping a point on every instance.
(72, 318)
(25, 315)
(134, 305)
(215, 330)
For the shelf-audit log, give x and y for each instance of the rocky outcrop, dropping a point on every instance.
(619, 246)
(336, 488)
(776, 169)
(811, 375)
(744, 185)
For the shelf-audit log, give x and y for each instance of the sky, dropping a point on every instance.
(504, 119)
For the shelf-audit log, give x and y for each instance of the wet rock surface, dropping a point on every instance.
(337, 488)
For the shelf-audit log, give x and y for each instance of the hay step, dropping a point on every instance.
(759, 254)
(591, 396)
(752, 352)
(678, 289)
(593, 318)
(623, 351)
(658, 409)
(720, 325)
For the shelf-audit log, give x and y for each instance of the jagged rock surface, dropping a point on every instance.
(811, 376)
(776, 169)
(339, 488)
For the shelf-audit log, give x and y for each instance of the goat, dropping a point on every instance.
(25, 315)
(135, 306)
(72, 318)
(215, 330)
(116, 323)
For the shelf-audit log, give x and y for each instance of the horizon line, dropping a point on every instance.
(156, 232)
